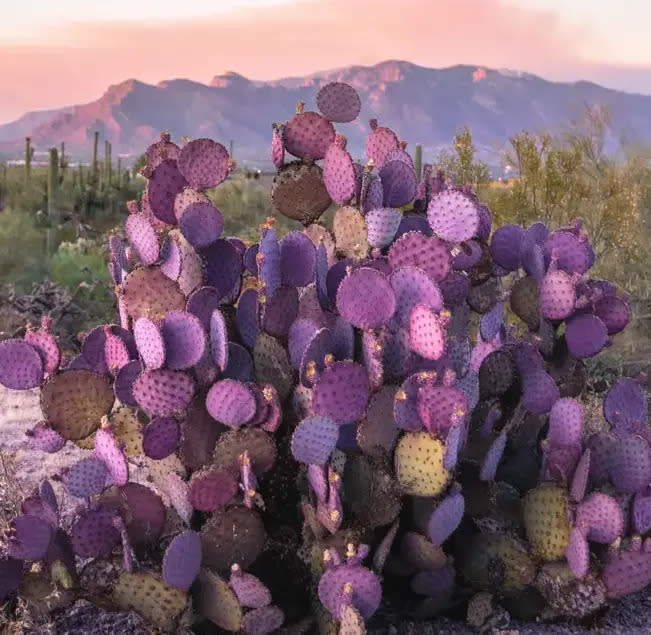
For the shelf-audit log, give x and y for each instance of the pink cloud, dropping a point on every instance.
(83, 58)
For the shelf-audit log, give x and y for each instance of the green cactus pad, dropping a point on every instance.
(153, 599)
(216, 602)
(546, 520)
(419, 464)
(74, 402)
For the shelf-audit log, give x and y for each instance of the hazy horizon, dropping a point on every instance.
(69, 53)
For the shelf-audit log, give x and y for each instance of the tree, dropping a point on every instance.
(461, 166)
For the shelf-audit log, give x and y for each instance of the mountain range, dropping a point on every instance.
(424, 105)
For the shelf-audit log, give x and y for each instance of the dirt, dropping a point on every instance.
(20, 410)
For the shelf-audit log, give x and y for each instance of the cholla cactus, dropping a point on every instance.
(337, 373)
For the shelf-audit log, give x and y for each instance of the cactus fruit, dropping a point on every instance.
(295, 395)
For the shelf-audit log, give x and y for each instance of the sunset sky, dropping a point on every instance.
(59, 53)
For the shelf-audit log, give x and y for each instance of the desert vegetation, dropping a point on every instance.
(361, 395)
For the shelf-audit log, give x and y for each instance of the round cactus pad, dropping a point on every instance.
(380, 142)
(30, 538)
(506, 246)
(150, 343)
(87, 477)
(418, 463)
(314, 439)
(185, 339)
(142, 238)
(625, 406)
(557, 295)
(341, 393)
(211, 489)
(585, 335)
(187, 196)
(201, 224)
(365, 595)
(161, 437)
(398, 183)
(429, 254)
(124, 381)
(74, 402)
(93, 535)
(565, 422)
(204, 163)
(453, 216)
(365, 298)
(162, 392)
(165, 183)
(614, 312)
(231, 402)
(412, 286)
(297, 259)
(259, 444)
(235, 537)
(148, 292)
(308, 135)
(223, 263)
(600, 517)
(298, 192)
(382, 224)
(629, 463)
(47, 347)
(338, 102)
(21, 367)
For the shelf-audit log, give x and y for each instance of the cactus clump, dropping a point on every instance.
(310, 402)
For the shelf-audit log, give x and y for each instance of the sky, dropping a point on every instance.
(55, 54)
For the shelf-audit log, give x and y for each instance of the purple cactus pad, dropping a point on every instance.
(204, 163)
(585, 335)
(429, 254)
(506, 246)
(163, 392)
(366, 590)
(201, 224)
(142, 238)
(165, 183)
(297, 260)
(211, 489)
(124, 380)
(87, 477)
(231, 402)
(426, 333)
(446, 518)
(182, 560)
(30, 538)
(21, 367)
(263, 621)
(625, 406)
(565, 422)
(629, 463)
(453, 216)
(365, 298)
(314, 439)
(398, 183)
(578, 553)
(600, 517)
(93, 535)
(185, 339)
(341, 393)
(161, 437)
(338, 102)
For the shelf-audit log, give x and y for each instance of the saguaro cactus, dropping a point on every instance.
(95, 164)
(418, 161)
(28, 159)
(62, 158)
(53, 200)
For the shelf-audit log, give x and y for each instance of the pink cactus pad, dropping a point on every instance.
(429, 254)
(445, 519)
(626, 572)
(165, 183)
(204, 163)
(398, 183)
(163, 392)
(46, 345)
(161, 150)
(426, 333)
(86, 477)
(578, 553)
(338, 172)
(186, 197)
(453, 216)
(249, 589)
(382, 225)
(338, 102)
(297, 259)
(557, 295)
(108, 450)
(380, 142)
(600, 517)
(116, 352)
(161, 437)
(573, 253)
(341, 393)
(308, 135)
(277, 146)
(211, 489)
(412, 286)
(365, 298)
(21, 366)
(438, 404)
(142, 238)
(314, 439)
(150, 343)
(185, 339)
(580, 479)
(565, 422)
(231, 402)
(201, 224)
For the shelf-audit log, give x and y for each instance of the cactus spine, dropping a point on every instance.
(418, 161)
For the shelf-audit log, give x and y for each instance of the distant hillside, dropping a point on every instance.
(424, 105)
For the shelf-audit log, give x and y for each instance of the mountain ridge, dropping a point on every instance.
(424, 105)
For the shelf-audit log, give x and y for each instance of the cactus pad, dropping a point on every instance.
(335, 592)
(446, 518)
(263, 621)
(216, 601)
(201, 224)
(231, 402)
(159, 603)
(161, 437)
(185, 339)
(453, 216)
(625, 406)
(365, 298)
(578, 553)
(419, 464)
(150, 343)
(314, 439)
(297, 259)
(341, 392)
(298, 192)
(338, 172)
(148, 292)
(93, 534)
(614, 312)
(74, 401)
(412, 286)
(142, 238)
(29, 538)
(540, 392)
(165, 183)
(505, 246)
(629, 463)
(497, 373)
(585, 335)
(627, 572)
(308, 135)
(21, 366)
(600, 517)
(426, 333)
(398, 183)
(182, 560)
(429, 254)
(547, 522)
(351, 233)
(235, 537)
(124, 381)
(249, 589)
(338, 102)
(557, 295)
(211, 488)
(380, 142)
(163, 392)
(87, 477)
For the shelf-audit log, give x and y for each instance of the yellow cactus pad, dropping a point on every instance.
(419, 464)
(152, 598)
(216, 602)
(546, 520)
